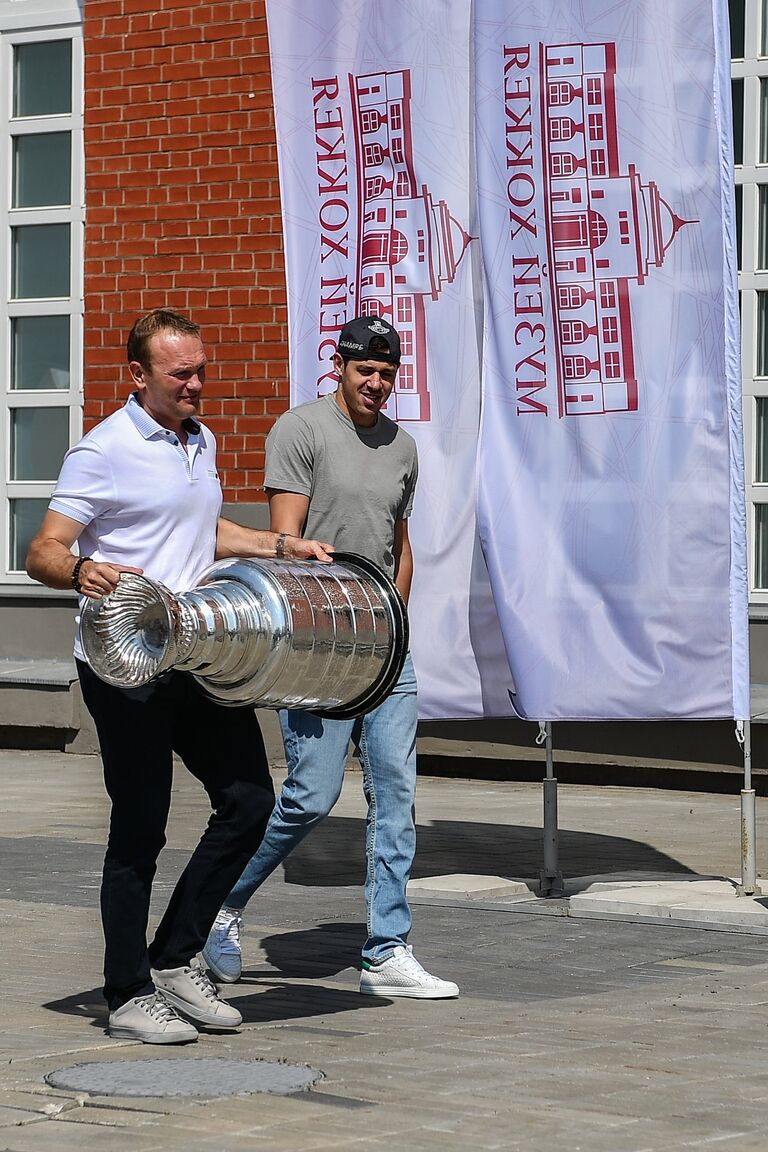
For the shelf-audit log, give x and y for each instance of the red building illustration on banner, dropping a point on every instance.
(408, 245)
(605, 229)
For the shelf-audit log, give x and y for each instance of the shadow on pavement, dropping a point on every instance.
(273, 1002)
(334, 853)
(322, 950)
(299, 1001)
(89, 1003)
(45, 870)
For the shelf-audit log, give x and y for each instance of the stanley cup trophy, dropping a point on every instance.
(330, 638)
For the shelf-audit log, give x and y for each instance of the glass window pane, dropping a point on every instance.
(40, 352)
(26, 518)
(39, 439)
(739, 203)
(737, 98)
(42, 166)
(736, 14)
(764, 28)
(761, 441)
(762, 226)
(40, 261)
(761, 546)
(761, 367)
(42, 78)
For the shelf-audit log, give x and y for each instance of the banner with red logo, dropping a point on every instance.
(538, 196)
(373, 116)
(611, 502)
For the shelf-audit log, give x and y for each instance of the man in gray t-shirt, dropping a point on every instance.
(338, 469)
(358, 481)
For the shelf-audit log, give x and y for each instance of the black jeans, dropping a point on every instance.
(139, 729)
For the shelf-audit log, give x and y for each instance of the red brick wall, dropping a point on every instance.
(183, 209)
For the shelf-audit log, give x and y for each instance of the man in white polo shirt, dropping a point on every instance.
(140, 493)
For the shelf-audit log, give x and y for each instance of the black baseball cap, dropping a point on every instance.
(357, 336)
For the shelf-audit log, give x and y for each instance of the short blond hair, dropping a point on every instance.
(158, 320)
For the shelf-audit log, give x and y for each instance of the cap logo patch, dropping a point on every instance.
(358, 335)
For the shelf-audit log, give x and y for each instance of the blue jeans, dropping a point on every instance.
(316, 752)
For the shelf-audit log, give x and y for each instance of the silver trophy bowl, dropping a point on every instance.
(330, 638)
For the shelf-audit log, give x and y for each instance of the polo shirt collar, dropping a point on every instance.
(149, 427)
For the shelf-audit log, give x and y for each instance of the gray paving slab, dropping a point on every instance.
(42, 672)
(616, 1036)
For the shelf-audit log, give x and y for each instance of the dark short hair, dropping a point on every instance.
(158, 320)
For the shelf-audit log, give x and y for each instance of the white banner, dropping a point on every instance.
(373, 112)
(610, 493)
(594, 230)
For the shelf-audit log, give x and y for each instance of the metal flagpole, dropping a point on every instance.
(748, 886)
(550, 877)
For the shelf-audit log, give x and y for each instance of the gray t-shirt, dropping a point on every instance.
(359, 480)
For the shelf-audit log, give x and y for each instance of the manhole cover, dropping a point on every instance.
(209, 1076)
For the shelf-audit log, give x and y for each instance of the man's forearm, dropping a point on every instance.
(404, 576)
(237, 540)
(51, 563)
(403, 560)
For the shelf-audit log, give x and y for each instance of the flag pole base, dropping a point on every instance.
(550, 878)
(749, 885)
(551, 887)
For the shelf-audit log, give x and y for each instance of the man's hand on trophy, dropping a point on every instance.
(295, 548)
(96, 579)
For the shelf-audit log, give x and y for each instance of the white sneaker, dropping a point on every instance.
(192, 993)
(402, 975)
(222, 953)
(150, 1019)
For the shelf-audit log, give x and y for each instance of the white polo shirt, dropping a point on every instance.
(143, 499)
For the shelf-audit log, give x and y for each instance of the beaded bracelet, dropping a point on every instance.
(76, 572)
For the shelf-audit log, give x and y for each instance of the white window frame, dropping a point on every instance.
(24, 22)
(749, 175)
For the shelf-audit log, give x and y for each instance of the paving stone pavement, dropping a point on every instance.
(583, 1034)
